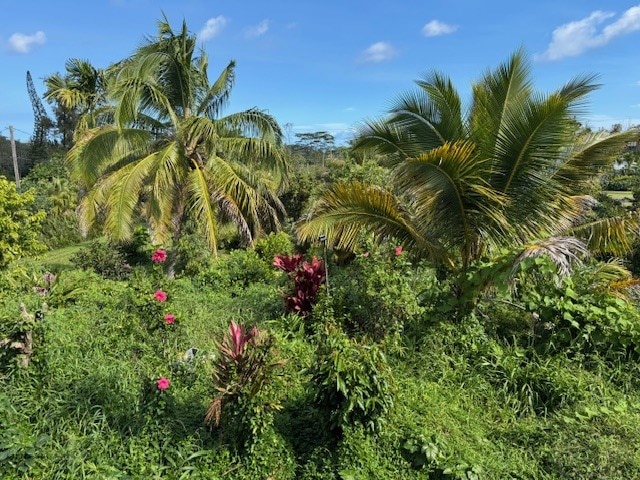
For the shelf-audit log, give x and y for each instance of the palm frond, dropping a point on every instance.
(199, 198)
(563, 251)
(614, 236)
(348, 210)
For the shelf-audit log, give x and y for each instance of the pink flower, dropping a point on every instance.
(160, 296)
(398, 250)
(169, 318)
(163, 383)
(159, 256)
(365, 254)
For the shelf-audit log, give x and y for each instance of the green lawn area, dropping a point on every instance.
(619, 195)
(60, 259)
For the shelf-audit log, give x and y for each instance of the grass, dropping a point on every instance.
(619, 194)
(87, 408)
(59, 259)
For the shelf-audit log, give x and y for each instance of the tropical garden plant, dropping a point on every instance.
(507, 171)
(168, 155)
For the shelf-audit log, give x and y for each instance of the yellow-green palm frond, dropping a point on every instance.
(103, 147)
(202, 208)
(588, 156)
(614, 236)
(91, 207)
(452, 199)
(124, 195)
(347, 210)
(217, 96)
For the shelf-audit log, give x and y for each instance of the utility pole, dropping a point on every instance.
(16, 172)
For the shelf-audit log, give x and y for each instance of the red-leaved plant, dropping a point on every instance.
(242, 368)
(307, 279)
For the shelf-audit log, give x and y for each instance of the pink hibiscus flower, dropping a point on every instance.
(159, 256)
(163, 383)
(160, 296)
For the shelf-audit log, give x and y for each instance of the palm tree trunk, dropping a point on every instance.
(177, 220)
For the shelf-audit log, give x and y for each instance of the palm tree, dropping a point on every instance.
(508, 171)
(79, 94)
(169, 156)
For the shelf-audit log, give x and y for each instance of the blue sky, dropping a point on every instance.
(329, 65)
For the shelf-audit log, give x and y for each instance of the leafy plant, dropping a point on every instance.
(352, 381)
(104, 258)
(19, 223)
(307, 278)
(245, 365)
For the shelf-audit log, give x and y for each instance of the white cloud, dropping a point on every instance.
(257, 30)
(378, 52)
(574, 38)
(436, 28)
(212, 28)
(21, 43)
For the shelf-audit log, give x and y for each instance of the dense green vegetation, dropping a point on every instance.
(452, 298)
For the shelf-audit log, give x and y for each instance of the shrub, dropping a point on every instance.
(245, 364)
(307, 278)
(104, 258)
(239, 269)
(273, 244)
(351, 380)
(19, 223)
(374, 296)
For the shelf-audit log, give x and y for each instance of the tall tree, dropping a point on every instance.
(467, 182)
(78, 97)
(169, 155)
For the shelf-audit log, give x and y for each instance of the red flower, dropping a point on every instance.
(163, 383)
(169, 318)
(160, 296)
(159, 256)
(398, 250)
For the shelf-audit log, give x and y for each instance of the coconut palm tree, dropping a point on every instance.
(508, 171)
(80, 93)
(169, 155)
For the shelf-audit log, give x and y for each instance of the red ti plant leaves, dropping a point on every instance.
(307, 278)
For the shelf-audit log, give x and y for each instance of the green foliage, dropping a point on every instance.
(579, 311)
(58, 196)
(274, 244)
(238, 269)
(352, 381)
(19, 223)
(374, 296)
(104, 258)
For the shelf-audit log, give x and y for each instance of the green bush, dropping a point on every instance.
(19, 223)
(238, 269)
(274, 244)
(373, 296)
(104, 258)
(352, 381)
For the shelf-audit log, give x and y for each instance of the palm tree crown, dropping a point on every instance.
(169, 155)
(507, 170)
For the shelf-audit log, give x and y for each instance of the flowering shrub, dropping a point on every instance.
(159, 256)
(307, 278)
